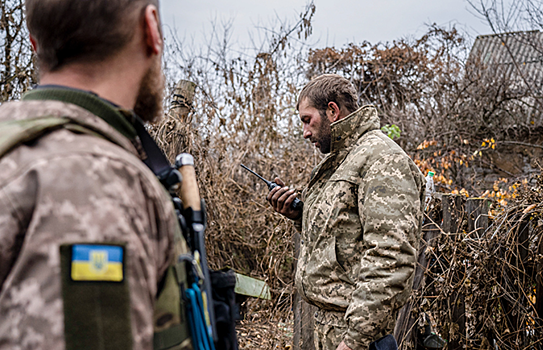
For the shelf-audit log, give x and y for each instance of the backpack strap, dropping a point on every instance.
(16, 132)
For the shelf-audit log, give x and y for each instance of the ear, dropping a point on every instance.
(34, 44)
(153, 34)
(333, 112)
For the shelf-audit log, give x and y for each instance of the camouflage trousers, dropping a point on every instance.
(330, 328)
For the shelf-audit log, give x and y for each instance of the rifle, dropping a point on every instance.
(193, 213)
(211, 291)
(296, 204)
(190, 210)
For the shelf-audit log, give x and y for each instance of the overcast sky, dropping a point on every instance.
(335, 23)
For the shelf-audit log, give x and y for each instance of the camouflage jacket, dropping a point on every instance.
(361, 225)
(66, 188)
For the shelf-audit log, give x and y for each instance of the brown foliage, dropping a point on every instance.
(435, 94)
(452, 112)
(248, 116)
(494, 275)
(244, 112)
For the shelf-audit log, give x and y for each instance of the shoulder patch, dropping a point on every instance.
(95, 296)
(90, 262)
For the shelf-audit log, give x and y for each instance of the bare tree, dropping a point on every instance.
(508, 16)
(17, 69)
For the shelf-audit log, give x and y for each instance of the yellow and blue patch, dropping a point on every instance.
(97, 263)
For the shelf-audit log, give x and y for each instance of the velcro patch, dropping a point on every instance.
(97, 263)
(96, 297)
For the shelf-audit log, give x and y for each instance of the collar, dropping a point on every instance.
(347, 131)
(102, 108)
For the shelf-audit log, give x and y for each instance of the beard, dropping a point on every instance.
(324, 137)
(151, 94)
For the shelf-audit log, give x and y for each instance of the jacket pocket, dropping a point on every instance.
(323, 269)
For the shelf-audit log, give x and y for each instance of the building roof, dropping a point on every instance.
(518, 55)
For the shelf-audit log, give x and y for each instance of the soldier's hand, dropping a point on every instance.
(281, 198)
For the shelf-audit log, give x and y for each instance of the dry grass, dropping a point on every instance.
(262, 329)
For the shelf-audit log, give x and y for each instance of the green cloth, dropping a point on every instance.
(88, 101)
(96, 314)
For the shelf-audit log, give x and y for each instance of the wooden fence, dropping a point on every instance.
(478, 282)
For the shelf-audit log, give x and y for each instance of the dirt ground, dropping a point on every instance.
(265, 327)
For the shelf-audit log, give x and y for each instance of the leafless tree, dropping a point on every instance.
(17, 69)
(508, 16)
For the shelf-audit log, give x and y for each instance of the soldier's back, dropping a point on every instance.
(72, 195)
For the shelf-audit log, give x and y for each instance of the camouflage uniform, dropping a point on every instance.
(360, 227)
(67, 188)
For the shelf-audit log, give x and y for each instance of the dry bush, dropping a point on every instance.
(264, 327)
(244, 112)
(494, 277)
(445, 102)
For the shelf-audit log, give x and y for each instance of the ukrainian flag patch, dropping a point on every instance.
(97, 263)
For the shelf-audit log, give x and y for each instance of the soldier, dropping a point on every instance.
(88, 235)
(361, 219)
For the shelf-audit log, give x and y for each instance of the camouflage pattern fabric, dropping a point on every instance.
(361, 226)
(330, 329)
(70, 188)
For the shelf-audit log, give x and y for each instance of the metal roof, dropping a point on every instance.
(517, 55)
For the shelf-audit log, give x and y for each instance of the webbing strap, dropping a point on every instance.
(180, 269)
(156, 160)
(201, 339)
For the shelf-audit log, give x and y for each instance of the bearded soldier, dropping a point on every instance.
(88, 235)
(361, 220)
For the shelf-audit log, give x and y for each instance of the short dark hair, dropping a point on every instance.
(328, 88)
(69, 31)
